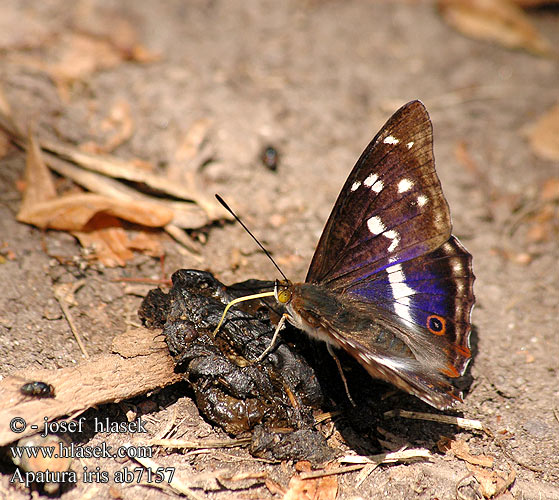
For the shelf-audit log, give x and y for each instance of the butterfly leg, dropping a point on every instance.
(333, 354)
(274, 338)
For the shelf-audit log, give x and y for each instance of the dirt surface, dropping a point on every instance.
(316, 80)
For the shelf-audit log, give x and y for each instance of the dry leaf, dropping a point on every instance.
(323, 488)
(544, 135)
(110, 245)
(122, 169)
(73, 212)
(39, 186)
(492, 483)
(186, 215)
(500, 21)
(461, 450)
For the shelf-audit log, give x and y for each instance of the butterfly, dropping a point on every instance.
(389, 283)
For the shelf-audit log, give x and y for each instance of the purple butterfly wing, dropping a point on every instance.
(388, 243)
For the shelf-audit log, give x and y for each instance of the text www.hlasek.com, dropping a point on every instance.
(77, 451)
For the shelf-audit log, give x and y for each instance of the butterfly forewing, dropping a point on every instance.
(391, 207)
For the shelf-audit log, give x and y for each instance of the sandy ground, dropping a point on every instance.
(317, 80)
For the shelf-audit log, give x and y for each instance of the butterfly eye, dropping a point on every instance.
(282, 291)
(284, 296)
(436, 324)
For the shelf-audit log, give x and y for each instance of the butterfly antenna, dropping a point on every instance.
(228, 208)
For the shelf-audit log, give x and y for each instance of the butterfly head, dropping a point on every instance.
(283, 291)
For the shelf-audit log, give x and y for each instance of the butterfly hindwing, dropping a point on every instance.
(431, 296)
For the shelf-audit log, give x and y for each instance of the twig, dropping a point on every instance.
(364, 474)
(464, 423)
(60, 295)
(389, 457)
(359, 461)
(331, 472)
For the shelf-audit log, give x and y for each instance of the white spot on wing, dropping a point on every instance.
(355, 185)
(375, 225)
(421, 200)
(400, 290)
(457, 266)
(410, 144)
(369, 181)
(391, 140)
(373, 182)
(395, 237)
(404, 185)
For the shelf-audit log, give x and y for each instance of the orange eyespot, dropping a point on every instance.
(436, 324)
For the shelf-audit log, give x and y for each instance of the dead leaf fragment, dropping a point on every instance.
(544, 135)
(115, 167)
(323, 488)
(39, 186)
(499, 21)
(492, 483)
(73, 212)
(109, 245)
(461, 450)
